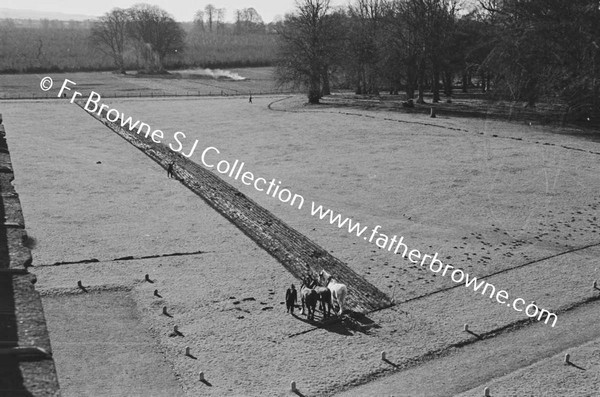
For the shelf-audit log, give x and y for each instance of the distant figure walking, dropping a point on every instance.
(250, 99)
(291, 297)
(170, 169)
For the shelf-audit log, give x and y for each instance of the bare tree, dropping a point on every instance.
(220, 19)
(239, 21)
(248, 20)
(156, 33)
(211, 14)
(366, 26)
(199, 20)
(309, 41)
(109, 35)
(426, 28)
(301, 51)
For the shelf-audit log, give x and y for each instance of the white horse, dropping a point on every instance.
(338, 290)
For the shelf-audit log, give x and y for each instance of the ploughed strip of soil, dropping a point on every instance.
(297, 253)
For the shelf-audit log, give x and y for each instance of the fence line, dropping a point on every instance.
(156, 94)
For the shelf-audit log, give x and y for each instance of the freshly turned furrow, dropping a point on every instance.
(296, 252)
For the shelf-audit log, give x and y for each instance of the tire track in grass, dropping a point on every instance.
(125, 258)
(504, 271)
(426, 124)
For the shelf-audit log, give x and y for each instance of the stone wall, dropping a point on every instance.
(26, 364)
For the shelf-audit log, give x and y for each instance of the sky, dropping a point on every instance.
(182, 10)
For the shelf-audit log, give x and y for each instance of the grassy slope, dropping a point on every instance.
(460, 193)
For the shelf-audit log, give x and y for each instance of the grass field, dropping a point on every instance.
(108, 84)
(515, 202)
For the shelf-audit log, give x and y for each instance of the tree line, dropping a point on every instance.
(522, 50)
(155, 35)
(142, 37)
(211, 19)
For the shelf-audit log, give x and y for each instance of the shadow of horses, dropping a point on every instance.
(358, 322)
(347, 324)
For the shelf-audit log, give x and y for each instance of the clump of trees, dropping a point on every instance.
(142, 37)
(245, 42)
(522, 50)
(310, 48)
(151, 31)
(247, 21)
(212, 19)
(546, 49)
(109, 35)
(372, 45)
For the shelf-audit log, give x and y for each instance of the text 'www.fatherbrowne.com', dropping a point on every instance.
(396, 244)
(273, 189)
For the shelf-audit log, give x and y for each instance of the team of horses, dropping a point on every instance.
(326, 290)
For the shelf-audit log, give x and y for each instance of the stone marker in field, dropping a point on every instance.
(81, 287)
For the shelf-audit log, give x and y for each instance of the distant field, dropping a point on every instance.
(517, 203)
(108, 84)
(68, 48)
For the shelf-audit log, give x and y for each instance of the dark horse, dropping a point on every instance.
(309, 297)
(323, 293)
